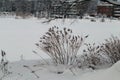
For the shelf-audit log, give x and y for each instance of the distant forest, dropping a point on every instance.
(48, 8)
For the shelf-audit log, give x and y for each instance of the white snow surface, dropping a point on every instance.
(47, 72)
(108, 74)
(18, 36)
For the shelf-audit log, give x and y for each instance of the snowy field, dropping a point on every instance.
(47, 72)
(18, 37)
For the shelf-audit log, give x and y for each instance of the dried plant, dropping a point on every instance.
(61, 45)
(32, 71)
(111, 48)
(3, 66)
(92, 57)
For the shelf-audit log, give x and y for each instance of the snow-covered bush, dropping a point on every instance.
(111, 48)
(92, 57)
(61, 45)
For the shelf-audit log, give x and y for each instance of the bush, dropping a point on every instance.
(61, 45)
(92, 57)
(111, 48)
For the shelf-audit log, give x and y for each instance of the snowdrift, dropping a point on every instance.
(42, 72)
(112, 73)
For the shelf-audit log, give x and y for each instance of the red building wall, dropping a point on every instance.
(105, 10)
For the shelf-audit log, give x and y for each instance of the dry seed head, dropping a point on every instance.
(86, 36)
(50, 30)
(68, 29)
(40, 41)
(97, 47)
(81, 39)
(69, 37)
(48, 33)
(64, 29)
(73, 37)
(76, 38)
(57, 27)
(65, 32)
(84, 50)
(44, 43)
(107, 46)
(37, 44)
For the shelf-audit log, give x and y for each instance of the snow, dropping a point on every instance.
(109, 74)
(45, 72)
(18, 36)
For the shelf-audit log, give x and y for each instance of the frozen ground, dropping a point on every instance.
(18, 36)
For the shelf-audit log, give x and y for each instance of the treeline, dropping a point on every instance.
(24, 7)
(47, 8)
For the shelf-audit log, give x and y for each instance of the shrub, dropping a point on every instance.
(111, 48)
(61, 45)
(92, 57)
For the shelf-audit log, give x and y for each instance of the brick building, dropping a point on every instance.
(109, 8)
(105, 9)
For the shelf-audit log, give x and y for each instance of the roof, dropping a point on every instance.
(104, 4)
(114, 2)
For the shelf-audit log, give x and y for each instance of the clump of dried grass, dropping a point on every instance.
(61, 45)
(111, 48)
(92, 57)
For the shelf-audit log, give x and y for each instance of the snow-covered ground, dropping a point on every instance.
(18, 36)
(22, 70)
(107, 74)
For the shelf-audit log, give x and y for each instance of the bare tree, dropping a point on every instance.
(47, 8)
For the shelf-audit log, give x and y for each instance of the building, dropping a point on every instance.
(66, 9)
(109, 8)
(116, 11)
(105, 9)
